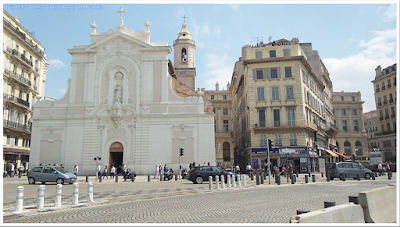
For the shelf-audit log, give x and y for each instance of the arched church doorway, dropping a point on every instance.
(116, 154)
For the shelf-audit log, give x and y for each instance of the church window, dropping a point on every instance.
(184, 57)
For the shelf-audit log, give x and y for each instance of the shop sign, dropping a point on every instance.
(303, 160)
(254, 163)
(259, 150)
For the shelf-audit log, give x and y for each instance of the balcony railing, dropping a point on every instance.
(23, 37)
(383, 88)
(7, 72)
(378, 90)
(18, 100)
(293, 142)
(387, 117)
(381, 118)
(22, 79)
(277, 123)
(335, 127)
(385, 102)
(386, 133)
(389, 85)
(261, 124)
(393, 115)
(15, 125)
(278, 142)
(391, 100)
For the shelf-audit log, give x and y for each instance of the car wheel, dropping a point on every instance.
(31, 180)
(60, 181)
(199, 180)
(343, 176)
(367, 176)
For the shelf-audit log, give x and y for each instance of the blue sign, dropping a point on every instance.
(259, 150)
(254, 163)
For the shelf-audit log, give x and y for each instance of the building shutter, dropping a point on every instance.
(9, 43)
(260, 94)
(268, 72)
(254, 74)
(278, 72)
(258, 54)
(286, 52)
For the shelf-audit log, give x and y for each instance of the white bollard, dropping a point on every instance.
(229, 181)
(20, 199)
(57, 201)
(244, 180)
(75, 194)
(90, 192)
(40, 200)
(210, 182)
(223, 181)
(239, 181)
(216, 182)
(234, 181)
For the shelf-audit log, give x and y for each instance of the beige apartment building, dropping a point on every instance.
(371, 128)
(281, 91)
(385, 100)
(221, 101)
(352, 138)
(24, 76)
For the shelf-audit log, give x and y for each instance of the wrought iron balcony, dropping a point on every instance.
(378, 90)
(386, 133)
(386, 116)
(393, 115)
(385, 102)
(18, 100)
(293, 142)
(391, 100)
(15, 125)
(379, 104)
(22, 79)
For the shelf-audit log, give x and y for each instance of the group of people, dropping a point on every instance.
(113, 171)
(12, 171)
(382, 169)
(158, 170)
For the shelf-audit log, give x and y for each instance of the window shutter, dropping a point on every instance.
(254, 74)
(278, 72)
(286, 52)
(268, 72)
(258, 54)
(9, 42)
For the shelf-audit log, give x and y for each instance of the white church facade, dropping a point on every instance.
(124, 104)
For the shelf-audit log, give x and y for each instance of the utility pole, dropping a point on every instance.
(97, 159)
(180, 154)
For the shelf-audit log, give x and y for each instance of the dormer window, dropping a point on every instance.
(184, 58)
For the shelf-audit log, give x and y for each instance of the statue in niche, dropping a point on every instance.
(118, 93)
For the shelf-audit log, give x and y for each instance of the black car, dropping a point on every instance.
(198, 174)
(168, 173)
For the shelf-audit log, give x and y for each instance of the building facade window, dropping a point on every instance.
(224, 97)
(347, 148)
(383, 86)
(275, 93)
(354, 112)
(344, 124)
(225, 111)
(343, 112)
(212, 96)
(389, 84)
(261, 117)
(272, 54)
(293, 139)
(342, 98)
(377, 88)
(226, 125)
(291, 117)
(288, 72)
(260, 94)
(263, 140)
(226, 152)
(353, 98)
(277, 118)
(274, 73)
(260, 75)
(278, 139)
(355, 126)
(289, 93)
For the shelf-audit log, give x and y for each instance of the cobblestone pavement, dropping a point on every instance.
(181, 201)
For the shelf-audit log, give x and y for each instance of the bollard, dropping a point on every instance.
(265, 176)
(302, 211)
(161, 178)
(322, 174)
(223, 181)
(244, 180)
(229, 181)
(75, 194)
(148, 178)
(251, 176)
(133, 178)
(87, 178)
(306, 179)
(373, 176)
(20, 199)
(90, 192)
(176, 177)
(257, 179)
(40, 202)
(389, 176)
(210, 183)
(57, 201)
(295, 180)
(239, 181)
(234, 181)
(262, 179)
(19, 174)
(329, 204)
(216, 182)
(297, 174)
(100, 179)
(292, 179)
(353, 199)
(116, 178)
(313, 178)
(358, 176)
(328, 177)
(278, 180)
(309, 174)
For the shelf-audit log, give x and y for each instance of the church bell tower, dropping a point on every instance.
(184, 62)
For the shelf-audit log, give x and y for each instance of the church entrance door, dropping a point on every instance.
(116, 154)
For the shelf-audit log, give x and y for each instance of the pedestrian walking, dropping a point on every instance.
(159, 169)
(124, 170)
(165, 167)
(105, 172)
(380, 168)
(98, 170)
(21, 170)
(157, 172)
(76, 169)
(208, 164)
(387, 167)
(113, 169)
(12, 169)
(237, 168)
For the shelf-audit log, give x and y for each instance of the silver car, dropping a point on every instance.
(347, 170)
(45, 174)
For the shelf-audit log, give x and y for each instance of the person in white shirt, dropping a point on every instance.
(76, 169)
(112, 172)
(157, 172)
(98, 170)
(124, 170)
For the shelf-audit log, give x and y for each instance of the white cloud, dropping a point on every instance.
(62, 90)
(355, 72)
(56, 63)
(390, 14)
(218, 69)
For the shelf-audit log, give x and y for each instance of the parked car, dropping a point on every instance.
(45, 174)
(347, 170)
(168, 173)
(198, 174)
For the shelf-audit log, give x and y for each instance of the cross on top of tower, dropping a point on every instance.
(184, 17)
(121, 11)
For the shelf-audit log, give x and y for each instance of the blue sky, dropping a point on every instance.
(352, 39)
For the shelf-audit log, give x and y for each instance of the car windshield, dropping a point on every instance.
(61, 170)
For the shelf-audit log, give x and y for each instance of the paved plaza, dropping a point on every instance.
(181, 201)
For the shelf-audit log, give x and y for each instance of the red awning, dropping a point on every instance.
(340, 154)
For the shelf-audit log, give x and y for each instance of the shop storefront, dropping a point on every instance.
(259, 157)
(302, 159)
